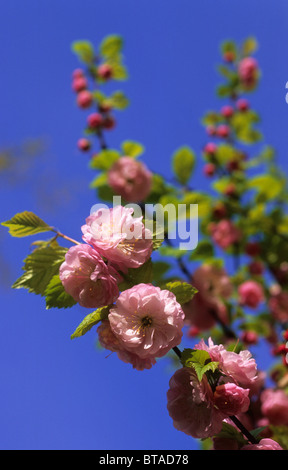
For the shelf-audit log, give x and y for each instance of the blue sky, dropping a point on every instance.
(62, 394)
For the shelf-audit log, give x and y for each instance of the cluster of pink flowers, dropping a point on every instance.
(115, 241)
(130, 179)
(145, 322)
(214, 286)
(224, 233)
(196, 407)
(251, 294)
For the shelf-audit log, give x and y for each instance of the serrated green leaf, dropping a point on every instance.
(91, 320)
(183, 291)
(132, 149)
(26, 223)
(56, 296)
(84, 50)
(199, 360)
(40, 267)
(183, 162)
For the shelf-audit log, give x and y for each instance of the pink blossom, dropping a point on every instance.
(240, 368)
(130, 179)
(109, 340)
(138, 363)
(224, 233)
(231, 399)
(202, 313)
(275, 406)
(147, 321)
(251, 294)
(87, 278)
(118, 236)
(190, 405)
(264, 444)
(278, 304)
(213, 285)
(213, 281)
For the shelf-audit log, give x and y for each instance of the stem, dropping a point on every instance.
(59, 234)
(180, 261)
(177, 352)
(244, 431)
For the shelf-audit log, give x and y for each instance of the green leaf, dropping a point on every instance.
(160, 268)
(104, 159)
(280, 435)
(84, 51)
(111, 46)
(183, 291)
(100, 180)
(91, 320)
(143, 274)
(26, 223)
(250, 46)
(172, 251)
(132, 149)
(119, 71)
(267, 185)
(199, 360)
(56, 296)
(228, 46)
(231, 432)
(203, 251)
(119, 100)
(183, 164)
(40, 267)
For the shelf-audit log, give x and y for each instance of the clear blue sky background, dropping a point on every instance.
(61, 394)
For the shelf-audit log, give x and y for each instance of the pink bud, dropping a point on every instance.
(109, 123)
(210, 148)
(211, 130)
(78, 73)
(227, 111)
(242, 104)
(256, 268)
(84, 144)
(250, 294)
(252, 249)
(105, 71)
(84, 99)
(95, 120)
(223, 131)
(249, 337)
(209, 169)
(79, 84)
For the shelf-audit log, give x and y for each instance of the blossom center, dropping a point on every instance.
(146, 322)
